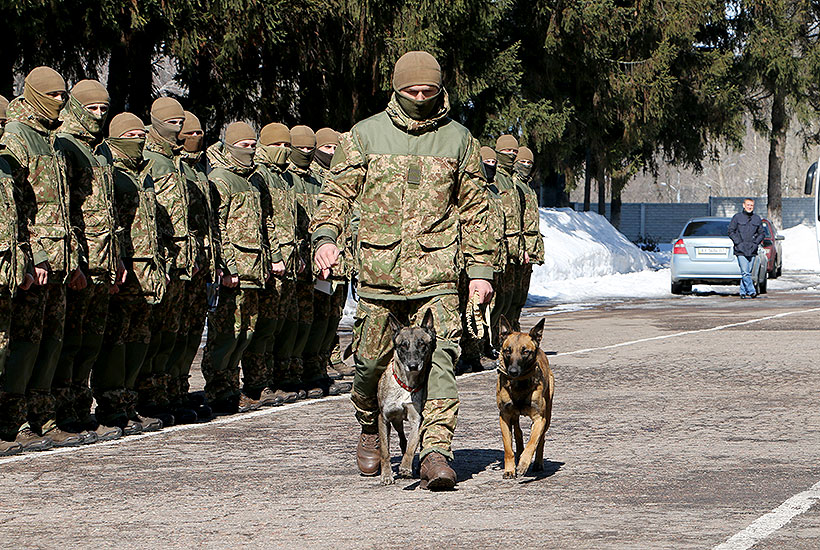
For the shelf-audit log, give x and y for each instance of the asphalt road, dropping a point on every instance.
(677, 423)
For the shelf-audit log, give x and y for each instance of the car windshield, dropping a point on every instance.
(766, 232)
(707, 228)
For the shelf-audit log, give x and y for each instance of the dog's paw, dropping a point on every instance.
(388, 479)
(509, 475)
(520, 471)
(406, 472)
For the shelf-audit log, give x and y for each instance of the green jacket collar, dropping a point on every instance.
(403, 120)
(19, 110)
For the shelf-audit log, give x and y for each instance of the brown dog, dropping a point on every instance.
(525, 387)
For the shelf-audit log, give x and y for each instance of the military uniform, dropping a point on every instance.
(244, 254)
(39, 181)
(173, 206)
(418, 186)
(127, 333)
(531, 236)
(91, 209)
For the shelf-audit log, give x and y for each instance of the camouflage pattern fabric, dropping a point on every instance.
(512, 203)
(95, 248)
(438, 425)
(373, 348)
(112, 407)
(201, 215)
(257, 361)
(280, 216)
(25, 334)
(189, 337)
(243, 247)
(39, 179)
(230, 329)
(533, 240)
(5, 325)
(15, 256)
(306, 189)
(418, 186)
(38, 390)
(471, 347)
(520, 293)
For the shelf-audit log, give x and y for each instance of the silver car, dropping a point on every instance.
(704, 254)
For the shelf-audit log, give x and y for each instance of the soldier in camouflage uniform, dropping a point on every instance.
(306, 379)
(245, 265)
(163, 153)
(506, 148)
(327, 309)
(42, 208)
(15, 264)
(127, 330)
(195, 295)
(531, 234)
(416, 175)
(91, 210)
(472, 348)
(261, 375)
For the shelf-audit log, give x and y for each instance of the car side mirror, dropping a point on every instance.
(810, 178)
(780, 238)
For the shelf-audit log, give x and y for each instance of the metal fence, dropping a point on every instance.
(663, 222)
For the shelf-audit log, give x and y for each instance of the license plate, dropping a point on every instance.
(705, 251)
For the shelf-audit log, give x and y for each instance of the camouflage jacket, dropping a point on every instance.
(418, 186)
(39, 186)
(307, 189)
(345, 270)
(201, 216)
(512, 202)
(279, 211)
(497, 225)
(533, 241)
(173, 204)
(239, 214)
(15, 260)
(140, 246)
(91, 198)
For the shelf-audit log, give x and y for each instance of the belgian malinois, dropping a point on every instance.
(403, 391)
(525, 387)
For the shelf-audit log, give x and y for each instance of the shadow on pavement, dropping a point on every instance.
(550, 468)
(469, 462)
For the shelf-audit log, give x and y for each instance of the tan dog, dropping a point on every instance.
(525, 387)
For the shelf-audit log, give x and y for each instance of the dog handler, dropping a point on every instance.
(416, 176)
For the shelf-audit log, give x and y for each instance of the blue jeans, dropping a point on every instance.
(747, 265)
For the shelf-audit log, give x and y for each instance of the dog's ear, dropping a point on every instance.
(504, 329)
(395, 324)
(427, 321)
(536, 332)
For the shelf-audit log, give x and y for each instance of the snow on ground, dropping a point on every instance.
(589, 261)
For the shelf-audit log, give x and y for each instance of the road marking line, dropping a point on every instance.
(266, 411)
(767, 524)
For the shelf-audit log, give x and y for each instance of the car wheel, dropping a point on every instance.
(762, 286)
(681, 287)
(779, 271)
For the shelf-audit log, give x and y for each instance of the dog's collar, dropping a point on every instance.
(403, 385)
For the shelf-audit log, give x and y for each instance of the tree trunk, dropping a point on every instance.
(587, 180)
(615, 206)
(600, 178)
(777, 152)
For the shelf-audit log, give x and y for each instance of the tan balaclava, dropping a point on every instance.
(488, 153)
(524, 153)
(236, 132)
(506, 160)
(130, 147)
(163, 110)
(84, 93)
(267, 153)
(302, 136)
(191, 143)
(325, 136)
(415, 69)
(38, 84)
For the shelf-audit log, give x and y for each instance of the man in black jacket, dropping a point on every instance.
(746, 231)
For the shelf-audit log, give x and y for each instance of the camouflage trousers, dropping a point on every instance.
(257, 361)
(125, 345)
(282, 369)
(520, 292)
(189, 335)
(86, 313)
(503, 299)
(5, 325)
(230, 329)
(154, 381)
(373, 351)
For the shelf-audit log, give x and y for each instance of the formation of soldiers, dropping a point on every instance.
(114, 250)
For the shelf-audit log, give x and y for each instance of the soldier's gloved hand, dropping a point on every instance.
(526, 258)
(326, 257)
(484, 289)
(77, 280)
(28, 280)
(278, 268)
(230, 281)
(41, 273)
(122, 273)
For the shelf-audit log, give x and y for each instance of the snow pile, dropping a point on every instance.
(800, 249)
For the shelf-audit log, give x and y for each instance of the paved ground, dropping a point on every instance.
(659, 440)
